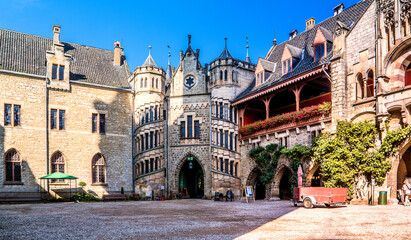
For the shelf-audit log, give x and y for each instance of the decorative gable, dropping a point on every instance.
(58, 63)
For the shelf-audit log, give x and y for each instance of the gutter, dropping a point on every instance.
(46, 91)
(24, 74)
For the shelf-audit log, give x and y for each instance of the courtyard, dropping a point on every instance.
(201, 219)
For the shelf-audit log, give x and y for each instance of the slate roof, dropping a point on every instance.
(304, 41)
(26, 53)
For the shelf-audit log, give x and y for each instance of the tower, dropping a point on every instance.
(149, 86)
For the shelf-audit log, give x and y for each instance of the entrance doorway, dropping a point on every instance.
(404, 169)
(285, 185)
(254, 180)
(191, 179)
(316, 180)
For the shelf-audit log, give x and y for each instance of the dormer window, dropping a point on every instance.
(287, 66)
(319, 51)
(57, 70)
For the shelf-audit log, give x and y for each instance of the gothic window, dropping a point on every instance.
(360, 86)
(155, 142)
(141, 83)
(235, 115)
(147, 119)
(147, 164)
(152, 82)
(151, 114)
(231, 168)
(57, 164)
(370, 84)
(145, 82)
(236, 169)
(225, 75)
(157, 83)
(231, 113)
(156, 166)
(151, 164)
(232, 76)
(142, 167)
(235, 143)
(142, 143)
(226, 111)
(13, 166)
(155, 113)
(98, 169)
(216, 109)
(221, 75)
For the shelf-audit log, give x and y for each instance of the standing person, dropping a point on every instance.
(407, 191)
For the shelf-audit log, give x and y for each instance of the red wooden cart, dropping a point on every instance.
(319, 195)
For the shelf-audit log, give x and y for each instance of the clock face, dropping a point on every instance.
(189, 81)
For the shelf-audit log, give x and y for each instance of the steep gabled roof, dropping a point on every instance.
(26, 53)
(304, 42)
(149, 61)
(225, 54)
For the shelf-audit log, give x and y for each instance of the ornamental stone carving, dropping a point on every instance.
(405, 9)
(387, 9)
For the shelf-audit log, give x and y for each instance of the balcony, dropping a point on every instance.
(303, 117)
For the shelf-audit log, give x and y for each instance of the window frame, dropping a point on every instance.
(287, 66)
(100, 171)
(321, 47)
(61, 72)
(12, 158)
(13, 115)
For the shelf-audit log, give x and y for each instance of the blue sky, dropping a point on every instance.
(138, 24)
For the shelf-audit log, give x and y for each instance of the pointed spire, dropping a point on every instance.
(275, 40)
(247, 58)
(169, 72)
(149, 61)
(225, 54)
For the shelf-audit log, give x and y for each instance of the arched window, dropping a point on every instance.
(233, 76)
(370, 84)
(221, 75)
(408, 76)
(225, 75)
(142, 167)
(157, 83)
(98, 169)
(145, 82)
(13, 166)
(152, 82)
(141, 83)
(57, 164)
(360, 86)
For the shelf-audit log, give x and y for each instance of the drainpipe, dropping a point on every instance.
(166, 144)
(132, 141)
(47, 124)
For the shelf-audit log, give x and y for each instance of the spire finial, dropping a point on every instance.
(149, 50)
(169, 54)
(246, 46)
(275, 40)
(225, 39)
(189, 40)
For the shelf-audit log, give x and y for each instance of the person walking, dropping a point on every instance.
(406, 191)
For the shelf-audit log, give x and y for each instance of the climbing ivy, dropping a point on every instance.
(348, 154)
(266, 159)
(296, 154)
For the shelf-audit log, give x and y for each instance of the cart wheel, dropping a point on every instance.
(295, 203)
(308, 203)
(327, 205)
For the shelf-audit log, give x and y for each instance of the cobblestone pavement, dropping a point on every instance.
(201, 219)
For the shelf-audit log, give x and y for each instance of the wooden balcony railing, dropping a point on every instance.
(288, 120)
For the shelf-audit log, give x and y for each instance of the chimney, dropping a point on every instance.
(338, 9)
(56, 34)
(293, 34)
(117, 55)
(310, 23)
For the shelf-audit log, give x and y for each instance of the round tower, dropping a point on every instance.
(149, 87)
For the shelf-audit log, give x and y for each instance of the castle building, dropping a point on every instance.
(186, 131)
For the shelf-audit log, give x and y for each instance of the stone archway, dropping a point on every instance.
(313, 178)
(255, 181)
(281, 184)
(190, 177)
